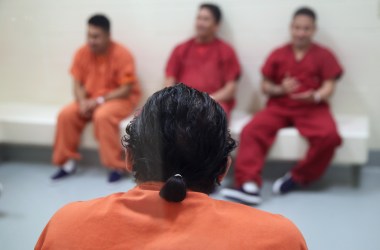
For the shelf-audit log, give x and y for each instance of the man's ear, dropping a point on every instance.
(228, 165)
(128, 161)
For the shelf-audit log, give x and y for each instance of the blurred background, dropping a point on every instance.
(37, 43)
(40, 37)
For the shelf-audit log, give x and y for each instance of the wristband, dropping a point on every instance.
(100, 100)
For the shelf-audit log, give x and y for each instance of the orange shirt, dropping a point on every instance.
(141, 219)
(100, 74)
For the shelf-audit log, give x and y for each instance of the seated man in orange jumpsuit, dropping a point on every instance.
(299, 78)
(206, 62)
(106, 91)
(178, 148)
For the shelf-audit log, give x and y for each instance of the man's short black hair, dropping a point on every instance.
(180, 131)
(214, 9)
(100, 21)
(305, 11)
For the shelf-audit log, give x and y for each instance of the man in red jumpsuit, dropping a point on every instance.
(206, 62)
(298, 78)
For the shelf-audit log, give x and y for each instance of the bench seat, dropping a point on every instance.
(33, 124)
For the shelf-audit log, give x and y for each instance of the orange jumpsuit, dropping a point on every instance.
(99, 75)
(141, 219)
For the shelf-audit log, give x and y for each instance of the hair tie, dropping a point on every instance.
(174, 189)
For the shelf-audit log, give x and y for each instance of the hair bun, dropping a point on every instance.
(174, 190)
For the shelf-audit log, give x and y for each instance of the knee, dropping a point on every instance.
(67, 114)
(254, 132)
(100, 116)
(331, 138)
(335, 139)
(249, 128)
(257, 127)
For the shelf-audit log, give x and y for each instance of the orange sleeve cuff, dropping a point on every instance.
(127, 79)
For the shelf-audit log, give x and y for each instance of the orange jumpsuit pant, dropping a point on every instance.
(106, 119)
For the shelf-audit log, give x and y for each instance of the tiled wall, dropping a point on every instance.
(38, 39)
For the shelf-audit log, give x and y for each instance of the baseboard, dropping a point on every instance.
(2, 149)
(374, 158)
(41, 154)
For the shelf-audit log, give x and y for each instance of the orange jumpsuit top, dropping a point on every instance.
(141, 219)
(100, 74)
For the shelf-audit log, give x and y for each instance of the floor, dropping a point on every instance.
(331, 214)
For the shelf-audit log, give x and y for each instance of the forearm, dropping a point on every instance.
(121, 92)
(226, 93)
(325, 91)
(79, 91)
(271, 89)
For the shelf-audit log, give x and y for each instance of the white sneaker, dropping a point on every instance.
(249, 193)
(69, 166)
(66, 170)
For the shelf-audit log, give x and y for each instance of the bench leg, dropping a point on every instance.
(2, 154)
(356, 170)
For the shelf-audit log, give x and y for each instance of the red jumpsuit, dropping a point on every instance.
(313, 121)
(206, 67)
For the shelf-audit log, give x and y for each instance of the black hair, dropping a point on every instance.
(100, 21)
(214, 9)
(305, 11)
(180, 137)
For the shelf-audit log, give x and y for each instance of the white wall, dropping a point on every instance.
(38, 39)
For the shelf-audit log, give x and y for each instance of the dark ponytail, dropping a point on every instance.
(174, 190)
(179, 131)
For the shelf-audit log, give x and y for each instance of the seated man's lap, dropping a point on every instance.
(317, 122)
(268, 120)
(116, 109)
(71, 109)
